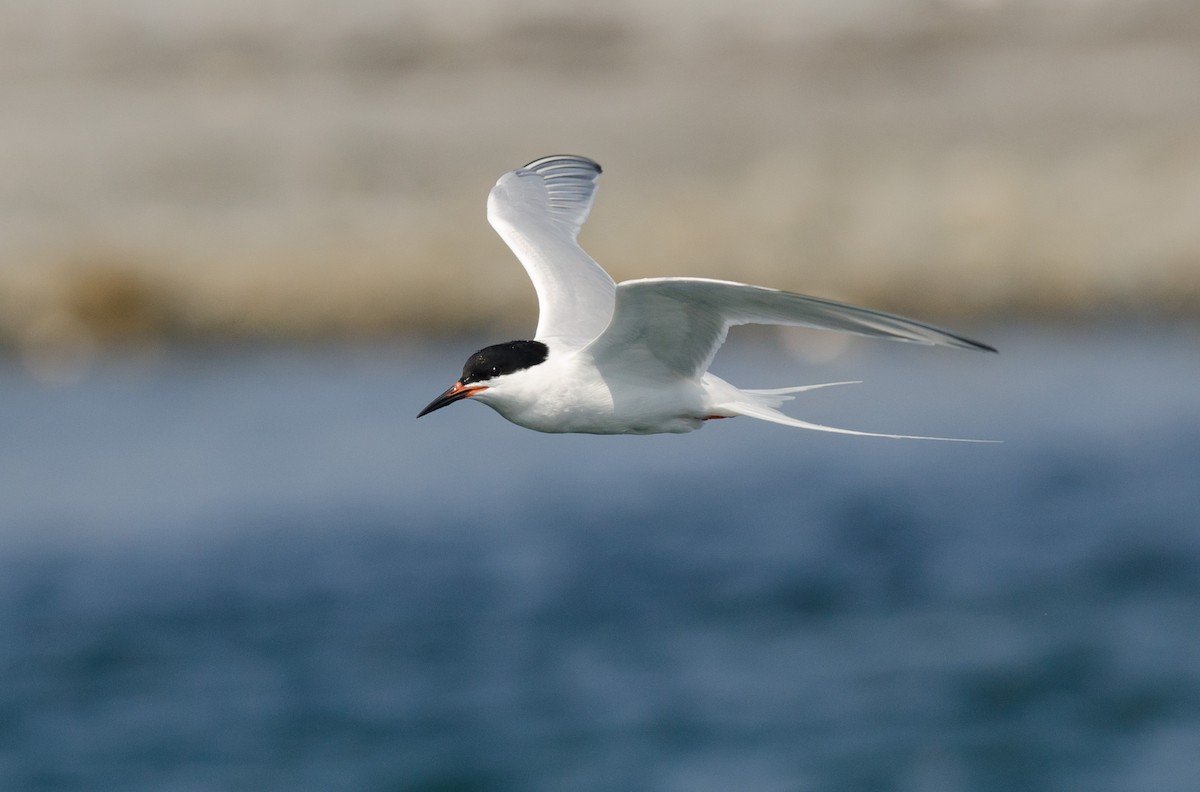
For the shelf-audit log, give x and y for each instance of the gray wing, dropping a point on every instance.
(538, 211)
(673, 326)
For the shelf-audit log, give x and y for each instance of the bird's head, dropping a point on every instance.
(489, 369)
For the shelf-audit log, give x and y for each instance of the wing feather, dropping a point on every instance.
(674, 326)
(538, 211)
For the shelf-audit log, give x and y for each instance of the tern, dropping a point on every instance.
(633, 357)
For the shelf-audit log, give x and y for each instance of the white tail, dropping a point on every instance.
(762, 404)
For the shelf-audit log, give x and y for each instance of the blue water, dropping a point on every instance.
(251, 569)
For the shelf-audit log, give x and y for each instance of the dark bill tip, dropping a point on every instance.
(454, 393)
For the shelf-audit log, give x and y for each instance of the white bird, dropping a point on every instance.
(633, 358)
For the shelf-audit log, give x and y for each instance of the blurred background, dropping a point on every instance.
(242, 244)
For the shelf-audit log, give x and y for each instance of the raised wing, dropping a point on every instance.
(538, 211)
(673, 326)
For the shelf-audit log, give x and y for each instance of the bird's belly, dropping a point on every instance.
(599, 411)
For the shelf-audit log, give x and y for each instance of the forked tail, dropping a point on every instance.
(762, 404)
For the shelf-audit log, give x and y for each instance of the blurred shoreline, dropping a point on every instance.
(209, 171)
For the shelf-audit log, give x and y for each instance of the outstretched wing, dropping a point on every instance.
(538, 211)
(672, 327)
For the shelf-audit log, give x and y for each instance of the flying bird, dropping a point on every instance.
(633, 357)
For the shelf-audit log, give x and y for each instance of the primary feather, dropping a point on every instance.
(538, 211)
(675, 326)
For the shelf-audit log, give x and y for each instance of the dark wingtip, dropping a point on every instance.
(982, 347)
(577, 159)
(971, 343)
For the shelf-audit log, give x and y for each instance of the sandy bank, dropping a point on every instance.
(315, 169)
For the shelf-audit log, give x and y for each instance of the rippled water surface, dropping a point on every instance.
(252, 569)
